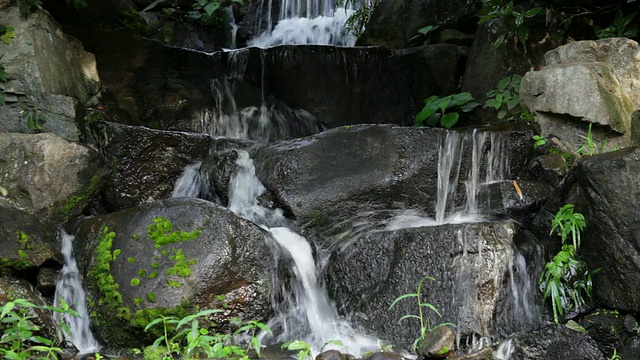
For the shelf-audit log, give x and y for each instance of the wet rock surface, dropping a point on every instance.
(555, 342)
(229, 257)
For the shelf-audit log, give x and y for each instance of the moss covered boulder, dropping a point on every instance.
(167, 258)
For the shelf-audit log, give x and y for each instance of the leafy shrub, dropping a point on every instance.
(444, 110)
(20, 339)
(516, 21)
(566, 279)
(506, 99)
(619, 27)
(185, 338)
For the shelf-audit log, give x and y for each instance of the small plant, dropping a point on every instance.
(34, 118)
(425, 326)
(19, 334)
(425, 33)
(184, 338)
(304, 349)
(515, 21)
(566, 279)
(614, 356)
(6, 34)
(539, 140)
(589, 147)
(619, 27)
(506, 99)
(444, 110)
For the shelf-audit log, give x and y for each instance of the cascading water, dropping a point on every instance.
(69, 287)
(306, 22)
(308, 313)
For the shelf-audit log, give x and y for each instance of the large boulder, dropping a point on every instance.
(394, 23)
(49, 73)
(47, 175)
(612, 238)
(587, 82)
(144, 163)
(476, 268)
(343, 172)
(139, 267)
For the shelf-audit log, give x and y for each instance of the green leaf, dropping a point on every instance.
(7, 308)
(449, 120)
(405, 296)
(504, 83)
(493, 103)
(211, 7)
(502, 114)
(409, 316)
(425, 30)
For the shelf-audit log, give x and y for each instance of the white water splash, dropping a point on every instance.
(69, 287)
(319, 30)
(308, 314)
(190, 183)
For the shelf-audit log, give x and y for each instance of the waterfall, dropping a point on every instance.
(307, 314)
(69, 287)
(306, 22)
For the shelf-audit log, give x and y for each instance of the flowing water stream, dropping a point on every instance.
(69, 287)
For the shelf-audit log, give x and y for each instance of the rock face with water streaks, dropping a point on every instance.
(144, 163)
(300, 89)
(555, 342)
(610, 185)
(472, 265)
(49, 73)
(48, 175)
(229, 257)
(370, 167)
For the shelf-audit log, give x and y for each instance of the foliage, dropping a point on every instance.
(34, 118)
(444, 110)
(516, 21)
(185, 338)
(566, 279)
(506, 99)
(19, 334)
(539, 140)
(425, 326)
(357, 21)
(425, 33)
(304, 349)
(619, 27)
(201, 10)
(615, 355)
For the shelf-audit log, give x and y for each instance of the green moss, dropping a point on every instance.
(22, 254)
(155, 265)
(138, 301)
(131, 260)
(135, 282)
(151, 297)
(618, 106)
(153, 275)
(182, 267)
(161, 233)
(100, 274)
(77, 201)
(142, 273)
(173, 283)
(6, 265)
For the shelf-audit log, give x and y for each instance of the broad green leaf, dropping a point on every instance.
(502, 114)
(211, 7)
(513, 102)
(7, 308)
(504, 83)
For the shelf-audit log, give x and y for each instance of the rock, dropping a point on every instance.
(482, 354)
(552, 168)
(621, 55)
(47, 175)
(304, 88)
(331, 355)
(612, 237)
(470, 262)
(26, 242)
(230, 257)
(394, 23)
(46, 281)
(607, 329)
(383, 355)
(218, 168)
(48, 71)
(437, 344)
(554, 342)
(562, 95)
(516, 199)
(373, 167)
(144, 163)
